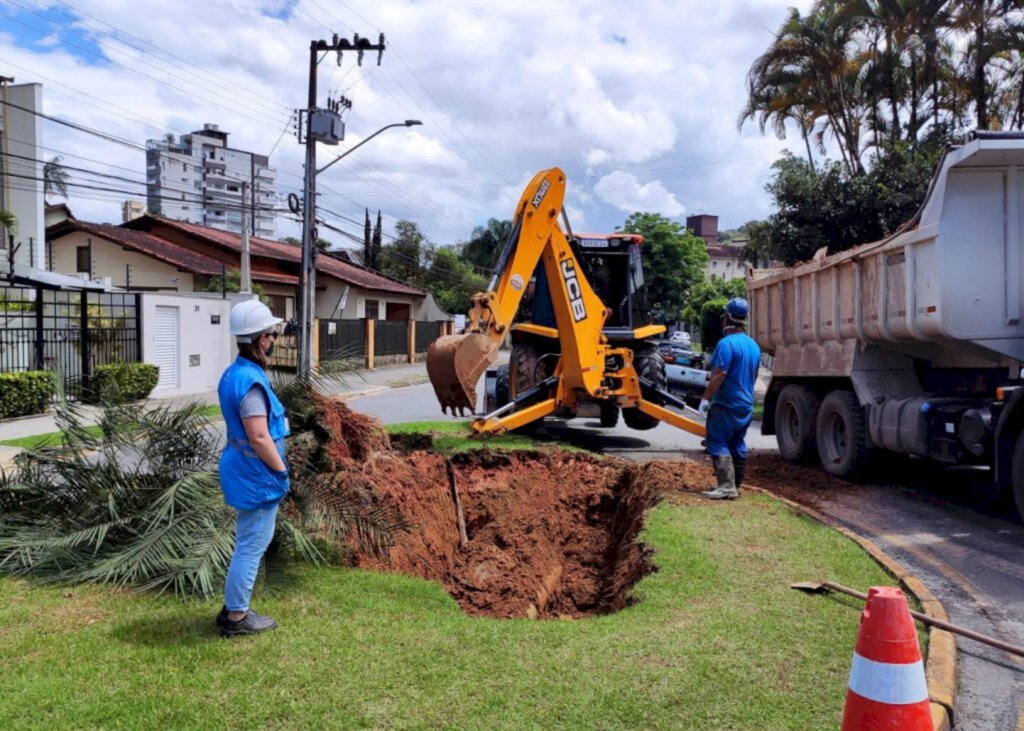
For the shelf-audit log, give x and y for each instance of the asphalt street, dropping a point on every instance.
(942, 524)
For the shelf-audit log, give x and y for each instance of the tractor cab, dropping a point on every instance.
(612, 265)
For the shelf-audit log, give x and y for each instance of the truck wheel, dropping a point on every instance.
(796, 414)
(609, 414)
(650, 366)
(1017, 478)
(842, 435)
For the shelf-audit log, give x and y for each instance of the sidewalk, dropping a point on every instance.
(356, 383)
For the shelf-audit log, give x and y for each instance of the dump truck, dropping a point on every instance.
(587, 341)
(913, 344)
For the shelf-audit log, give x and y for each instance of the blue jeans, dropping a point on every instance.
(253, 531)
(727, 432)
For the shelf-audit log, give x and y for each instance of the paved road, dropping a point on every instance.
(939, 523)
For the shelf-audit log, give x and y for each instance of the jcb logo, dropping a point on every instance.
(572, 286)
(541, 192)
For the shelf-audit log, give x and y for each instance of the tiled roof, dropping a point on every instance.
(725, 252)
(146, 243)
(350, 273)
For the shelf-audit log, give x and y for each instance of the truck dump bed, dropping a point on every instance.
(949, 282)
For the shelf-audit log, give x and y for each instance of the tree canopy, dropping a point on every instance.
(485, 244)
(674, 262)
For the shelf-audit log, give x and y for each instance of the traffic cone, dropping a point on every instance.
(887, 689)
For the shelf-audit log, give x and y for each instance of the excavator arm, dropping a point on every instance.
(456, 362)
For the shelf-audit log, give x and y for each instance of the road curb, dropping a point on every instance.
(940, 667)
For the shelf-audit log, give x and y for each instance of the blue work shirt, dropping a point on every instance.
(738, 355)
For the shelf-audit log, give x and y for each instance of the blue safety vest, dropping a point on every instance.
(247, 482)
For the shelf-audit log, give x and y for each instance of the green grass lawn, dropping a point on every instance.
(718, 641)
(52, 439)
(456, 436)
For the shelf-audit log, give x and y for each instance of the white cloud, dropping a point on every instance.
(625, 192)
(502, 88)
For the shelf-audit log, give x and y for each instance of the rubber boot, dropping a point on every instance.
(726, 476)
(739, 465)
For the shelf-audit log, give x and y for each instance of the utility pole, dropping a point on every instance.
(321, 125)
(246, 272)
(5, 147)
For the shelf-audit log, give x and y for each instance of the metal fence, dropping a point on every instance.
(342, 339)
(426, 333)
(70, 332)
(391, 337)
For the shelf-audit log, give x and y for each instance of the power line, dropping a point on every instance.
(267, 119)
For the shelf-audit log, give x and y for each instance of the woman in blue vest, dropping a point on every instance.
(253, 470)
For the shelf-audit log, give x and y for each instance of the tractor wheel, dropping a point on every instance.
(529, 368)
(650, 366)
(501, 384)
(609, 414)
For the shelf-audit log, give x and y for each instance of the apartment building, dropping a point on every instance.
(199, 179)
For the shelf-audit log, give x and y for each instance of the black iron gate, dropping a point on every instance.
(69, 332)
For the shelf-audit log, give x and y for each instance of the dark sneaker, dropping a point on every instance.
(222, 618)
(250, 624)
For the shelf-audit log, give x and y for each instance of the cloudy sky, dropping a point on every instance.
(637, 102)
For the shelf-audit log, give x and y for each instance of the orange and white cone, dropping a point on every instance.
(887, 689)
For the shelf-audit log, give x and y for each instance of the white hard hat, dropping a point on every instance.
(249, 318)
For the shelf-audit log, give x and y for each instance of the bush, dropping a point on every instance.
(120, 382)
(711, 324)
(27, 392)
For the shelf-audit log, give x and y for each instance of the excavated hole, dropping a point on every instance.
(549, 534)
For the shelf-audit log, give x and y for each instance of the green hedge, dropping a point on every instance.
(27, 392)
(711, 324)
(121, 382)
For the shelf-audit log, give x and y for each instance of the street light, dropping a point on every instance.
(307, 277)
(406, 123)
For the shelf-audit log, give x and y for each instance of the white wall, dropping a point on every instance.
(24, 135)
(198, 337)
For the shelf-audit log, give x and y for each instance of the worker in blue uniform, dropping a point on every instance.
(728, 402)
(253, 469)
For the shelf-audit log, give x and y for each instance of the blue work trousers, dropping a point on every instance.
(727, 432)
(254, 530)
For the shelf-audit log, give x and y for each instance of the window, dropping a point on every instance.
(184, 167)
(83, 260)
(371, 309)
(279, 306)
(714, 265)
(728, 264)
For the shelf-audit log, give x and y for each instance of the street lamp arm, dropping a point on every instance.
(406, 123)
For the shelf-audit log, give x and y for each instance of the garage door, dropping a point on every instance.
(165, 346)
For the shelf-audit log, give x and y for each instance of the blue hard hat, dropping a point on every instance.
(737, 309)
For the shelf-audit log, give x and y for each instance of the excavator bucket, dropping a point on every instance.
(455, 364)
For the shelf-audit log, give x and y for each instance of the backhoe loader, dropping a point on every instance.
(576, 347)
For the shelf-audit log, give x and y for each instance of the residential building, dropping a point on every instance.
(200, 179)
(154, 253)
(21, 170)
(725, 262)
(131, 210)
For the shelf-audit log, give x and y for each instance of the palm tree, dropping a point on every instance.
(8, 221)
(55, 178)
(816, 49)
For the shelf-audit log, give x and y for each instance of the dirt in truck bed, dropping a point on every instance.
(551, 534)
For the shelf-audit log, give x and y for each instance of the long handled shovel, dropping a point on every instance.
(823, 587)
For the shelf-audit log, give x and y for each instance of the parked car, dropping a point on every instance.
(689, 382)
(681, 355)
(680, 337)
